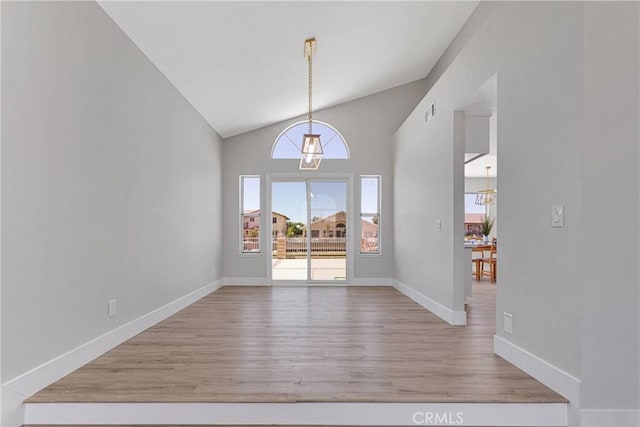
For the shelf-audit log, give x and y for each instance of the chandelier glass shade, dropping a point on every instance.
(488, 196)
(311, 152)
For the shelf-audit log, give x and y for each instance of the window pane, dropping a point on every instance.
(251, 193)
(369, 194)
(473, 217)
(333, 145)
(250, 214)
(369, 214)
(288, 146)
(470, 204)
(251, 238)
(369, 237)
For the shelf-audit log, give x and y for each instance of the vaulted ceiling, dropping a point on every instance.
(241, 65)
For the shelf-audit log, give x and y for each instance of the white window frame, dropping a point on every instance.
(324, 143)
(367, 214)
(351, 215)
(253, 215)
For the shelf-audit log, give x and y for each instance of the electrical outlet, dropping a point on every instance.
(113, 308)
(557, 216)
(508, 323)
(438, 225)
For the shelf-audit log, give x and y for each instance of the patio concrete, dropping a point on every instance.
(321, 269)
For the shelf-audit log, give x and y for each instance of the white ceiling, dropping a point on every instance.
(241, 63)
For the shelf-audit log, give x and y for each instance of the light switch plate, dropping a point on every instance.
(438, 225)
(557, 216)
(112, 308)
(430, 113)
(508, 323)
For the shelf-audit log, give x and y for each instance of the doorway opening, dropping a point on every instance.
(481, 262)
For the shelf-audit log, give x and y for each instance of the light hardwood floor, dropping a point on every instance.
(315, 344)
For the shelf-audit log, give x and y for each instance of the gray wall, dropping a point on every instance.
(610, 292)
(544, 55)
(111, 183)
(367, 124)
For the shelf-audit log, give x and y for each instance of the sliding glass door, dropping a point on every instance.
(309, 231)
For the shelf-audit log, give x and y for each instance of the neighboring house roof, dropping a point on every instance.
(473, 218)
(256, 211)
(277, 213)
(369, 226)
(341, 216)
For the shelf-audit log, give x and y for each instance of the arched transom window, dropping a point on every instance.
(288, 144)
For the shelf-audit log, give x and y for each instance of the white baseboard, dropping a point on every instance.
(17, 389)
(245, 281)
(553, 377)
(456, 318)
(13, 411)
(371, 281)
(609, 418)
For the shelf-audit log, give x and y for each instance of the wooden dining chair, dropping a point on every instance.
(492, 261)
(477, 254)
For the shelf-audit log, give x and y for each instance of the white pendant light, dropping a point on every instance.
(488, 196)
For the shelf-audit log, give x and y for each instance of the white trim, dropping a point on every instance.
(13, 413)
(1, 398)
(370, 254)
(303, 413)
(246, 281)
(609, 417)
(553, 377)
(41, 376)
(455, 318)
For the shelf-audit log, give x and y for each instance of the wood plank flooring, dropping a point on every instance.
(315, 344)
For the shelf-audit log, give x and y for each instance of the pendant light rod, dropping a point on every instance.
(488, 167)
(309, 50)
(311, 149)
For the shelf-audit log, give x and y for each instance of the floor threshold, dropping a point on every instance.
(304, 413)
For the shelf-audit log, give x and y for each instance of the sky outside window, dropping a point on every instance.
(251, 187)
(369, 195)
(470, 204)
(290, 199)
